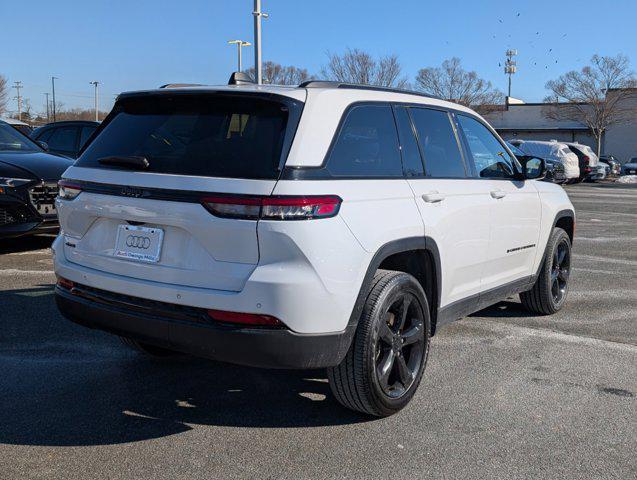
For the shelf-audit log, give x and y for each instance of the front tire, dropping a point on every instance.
(387, 357)
(551, 287)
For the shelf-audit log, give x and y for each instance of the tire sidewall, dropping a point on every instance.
(397, 286)
(556, 238)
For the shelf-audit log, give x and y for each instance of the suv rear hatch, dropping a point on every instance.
(133, 203)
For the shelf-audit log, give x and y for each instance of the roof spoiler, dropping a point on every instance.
(240, 78)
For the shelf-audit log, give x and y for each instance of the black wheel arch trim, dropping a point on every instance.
(566, 213)
(424, 243)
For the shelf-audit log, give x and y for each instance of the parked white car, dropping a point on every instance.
(552, 150)
(325, 225)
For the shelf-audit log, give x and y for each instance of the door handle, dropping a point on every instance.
(498, 194)
(433, 197)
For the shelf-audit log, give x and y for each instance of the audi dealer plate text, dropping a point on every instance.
(138, 243)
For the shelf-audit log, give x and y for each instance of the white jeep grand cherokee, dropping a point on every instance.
(325, 225)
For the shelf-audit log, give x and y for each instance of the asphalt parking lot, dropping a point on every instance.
(505, 394)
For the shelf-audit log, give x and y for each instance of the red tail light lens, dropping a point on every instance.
(245, 318)
(274, 208)
(65, 283)
(68, 190)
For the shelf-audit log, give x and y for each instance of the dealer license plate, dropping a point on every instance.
(139, 243)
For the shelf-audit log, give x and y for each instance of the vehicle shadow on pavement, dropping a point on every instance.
(504, 309)
(65, 385)
(23, 244)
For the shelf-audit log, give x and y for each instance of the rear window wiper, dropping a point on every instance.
(133, 162)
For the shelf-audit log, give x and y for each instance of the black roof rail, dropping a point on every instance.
(358, 86)
(179, 85)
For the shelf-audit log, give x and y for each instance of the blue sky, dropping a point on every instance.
(137, 44)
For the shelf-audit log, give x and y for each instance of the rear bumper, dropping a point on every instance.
(182, 329)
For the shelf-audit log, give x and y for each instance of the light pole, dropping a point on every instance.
(18, 86)
(510, 66)
(46, 95)
(53, 79)
(240, 44)
(96, 83)
(257, 13)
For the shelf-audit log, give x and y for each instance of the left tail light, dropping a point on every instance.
(273, 208)
(68, 190)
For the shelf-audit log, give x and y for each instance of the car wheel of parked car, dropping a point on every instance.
(148, 349)
(549, 292)
(384, 365)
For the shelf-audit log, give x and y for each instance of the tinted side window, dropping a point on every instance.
(412, 162)
(438, 143)
(367, 144)
(63, 139)
(489, 156)
(44, 136)
(86, 132)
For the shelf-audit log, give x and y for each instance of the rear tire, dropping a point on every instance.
(387, 357)
(551, 287)
(148, 349)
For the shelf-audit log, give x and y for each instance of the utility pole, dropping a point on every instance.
(510, 65)
(96, 83)
(240, 44)
(46, 95)
(18, 86)
(257, 13)
(53, 79)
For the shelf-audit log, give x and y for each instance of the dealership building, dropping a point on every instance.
(528, 121)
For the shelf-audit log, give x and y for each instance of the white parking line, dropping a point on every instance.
(594, 258)
(559, 336)
(44, 251)
(15, 271)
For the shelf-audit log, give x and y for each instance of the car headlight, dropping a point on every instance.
(7, 183)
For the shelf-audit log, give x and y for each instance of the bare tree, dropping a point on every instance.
(77, 113)
(452, 82)
(26, 110)
(598, 96)
(356, 66)
(4, 92)
(276, 74)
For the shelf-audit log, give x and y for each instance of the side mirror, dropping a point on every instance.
(533, 168)
(44, 145)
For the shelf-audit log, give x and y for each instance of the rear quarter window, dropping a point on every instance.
(211, 135)
(366, 144)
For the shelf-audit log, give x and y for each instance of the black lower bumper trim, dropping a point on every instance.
(256, 347)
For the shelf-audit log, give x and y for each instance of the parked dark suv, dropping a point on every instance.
(65, 138)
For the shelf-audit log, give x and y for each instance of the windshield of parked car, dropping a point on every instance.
(12, 140)
(211, 135)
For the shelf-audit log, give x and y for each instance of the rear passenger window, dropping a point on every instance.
(63, 139)
(489, 155)
(86, 133)
(438, 143)
(367, 144)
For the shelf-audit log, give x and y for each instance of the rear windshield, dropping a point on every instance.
(210, 135)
